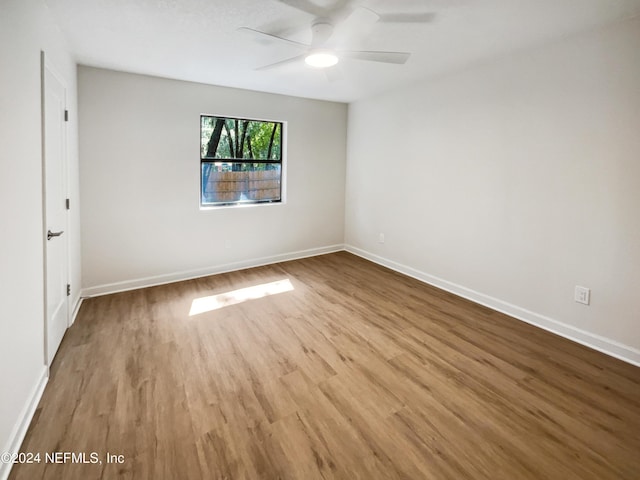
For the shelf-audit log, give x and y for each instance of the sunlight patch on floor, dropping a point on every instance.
(221, 300)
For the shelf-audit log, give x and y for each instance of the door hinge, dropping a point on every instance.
(66, 115)
(68, 290)
(67, 203)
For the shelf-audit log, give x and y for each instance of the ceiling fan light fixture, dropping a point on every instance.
(321, 59)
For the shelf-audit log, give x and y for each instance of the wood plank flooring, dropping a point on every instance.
(356, 373)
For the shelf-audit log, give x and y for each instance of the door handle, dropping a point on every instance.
(51, 234)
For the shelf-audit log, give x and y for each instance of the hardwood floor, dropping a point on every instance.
(356, 373)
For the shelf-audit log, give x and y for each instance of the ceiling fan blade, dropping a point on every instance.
(281, 63)
(398, 58)
(360, 17)
(357, 24)
(305, 6)
(407, 17)
(270, 37)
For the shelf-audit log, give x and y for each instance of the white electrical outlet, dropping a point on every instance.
(381, 238)
(582, 295)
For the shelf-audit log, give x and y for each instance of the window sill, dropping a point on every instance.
(240, 205)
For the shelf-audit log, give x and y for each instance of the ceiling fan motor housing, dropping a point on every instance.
(321, 31)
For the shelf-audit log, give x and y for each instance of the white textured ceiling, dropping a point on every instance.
(198, 40)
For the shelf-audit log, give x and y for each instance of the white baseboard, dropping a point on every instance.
(24, 420)
(204, 272)
(75, 310)
(591, 340)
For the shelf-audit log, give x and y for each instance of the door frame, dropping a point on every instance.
(45, 65)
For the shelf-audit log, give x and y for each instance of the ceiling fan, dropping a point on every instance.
(347, 16)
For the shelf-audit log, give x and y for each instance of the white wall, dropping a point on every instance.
(512, 182)
(25, 30)
(139, 151)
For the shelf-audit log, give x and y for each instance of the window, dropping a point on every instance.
(240, 161)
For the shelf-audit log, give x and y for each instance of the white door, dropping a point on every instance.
(55, 188)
